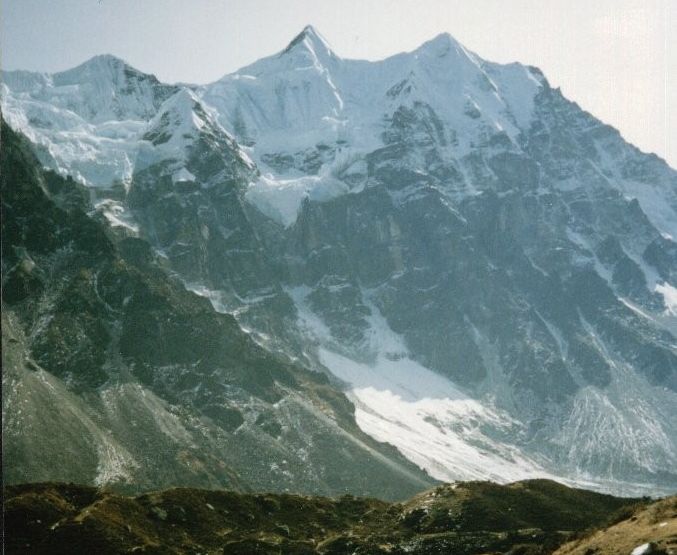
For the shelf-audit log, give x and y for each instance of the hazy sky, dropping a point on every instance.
(616, 58)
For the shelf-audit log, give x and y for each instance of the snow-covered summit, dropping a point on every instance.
(281, 106)
(180, 117)
(103, 88)
(305, 107)
(282, 96)
(440, 44)
(303, 111)
(100, 67)
(307, 87)
(87, 119)
(180, 122)
(182, 136)
(310, 41)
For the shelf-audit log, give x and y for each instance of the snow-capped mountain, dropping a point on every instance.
(306, 112)
(85, 121)
(487, 270)
(308, 90)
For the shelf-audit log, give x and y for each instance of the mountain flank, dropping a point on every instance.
(114, 373)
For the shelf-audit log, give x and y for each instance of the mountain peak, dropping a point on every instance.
(442, 38)
(309, 30)
(182, 110)
(99, 61)
(441, 45)
(103, 67)
(309, 39)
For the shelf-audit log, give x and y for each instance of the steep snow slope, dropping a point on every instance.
(306, 94)
(86, 121)
(305, 110)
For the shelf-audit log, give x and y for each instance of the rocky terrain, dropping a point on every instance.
(531, 517)
(114, 373)
(323, 275)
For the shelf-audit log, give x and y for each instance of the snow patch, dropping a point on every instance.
(113, 464)
(116, 215)
(427, 417)
(182, 175)
(281, 199)
(669, 297)
(642, 549)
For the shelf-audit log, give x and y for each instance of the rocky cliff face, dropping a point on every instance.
(537, 291)
(489, 271)
(114, 374)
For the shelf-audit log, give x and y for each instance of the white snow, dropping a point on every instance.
(427, 417)
(114, 463)
(441, 430)
(179, 124)
(307, 96)
(441, 73)
(82, 123)
(182, 175)
(669, 297)
(280, 199)
(287, 103)
(636, 309)
(216, 298)
(85, 127)
(116, 214)
(641, 549)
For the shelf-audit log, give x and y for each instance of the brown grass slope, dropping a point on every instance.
(655, 525)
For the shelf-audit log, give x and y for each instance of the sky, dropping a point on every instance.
(615, 58)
